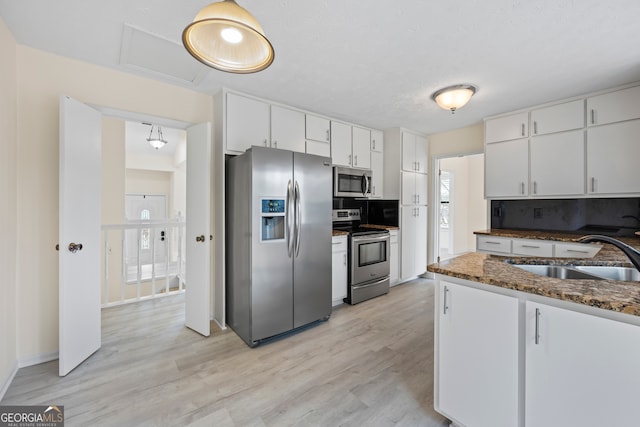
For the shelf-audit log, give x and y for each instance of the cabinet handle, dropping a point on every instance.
(537, 335)
(355, 160)
(344, 259)
(327, 135)
(523, 129)
(349, 159)
(374, 144)
(445, 306)
(415, 166)
(535, 187)
(522, 188)
(419, 167)
(531, 246)
(535, 127)
(418, 196)
(491, 242)
(373, 192)
(577, 251)
(593, 184)
(418, 212)
(275, 144)
(265, 142)
(593, 116)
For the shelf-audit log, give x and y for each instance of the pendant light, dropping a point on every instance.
(453, 97)
(226, 37)
(158, 141)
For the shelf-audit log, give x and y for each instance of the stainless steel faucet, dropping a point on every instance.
(632, 253)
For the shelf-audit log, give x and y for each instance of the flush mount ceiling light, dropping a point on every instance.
(158, 141)
(453, 97)
(226, 37)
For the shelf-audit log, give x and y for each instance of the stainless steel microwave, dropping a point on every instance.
(349, 182)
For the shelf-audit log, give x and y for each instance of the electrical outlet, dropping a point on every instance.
(537, 212)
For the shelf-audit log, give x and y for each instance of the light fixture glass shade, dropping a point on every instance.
(157, 141)
(225, 36)
(453, 97)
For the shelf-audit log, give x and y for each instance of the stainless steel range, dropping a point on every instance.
(368, 257)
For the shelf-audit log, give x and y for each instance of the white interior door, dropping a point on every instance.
(79, 233)
(198, 229)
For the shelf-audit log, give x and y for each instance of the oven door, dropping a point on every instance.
(351, 182)
(369, 258)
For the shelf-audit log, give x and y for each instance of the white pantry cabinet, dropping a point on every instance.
(507, 169)
(248, 122)
(612, 158)
(414, 188)
(506, 128)
(377, 141)
(614, 107)
(415, 153)
(414, 241)
(340, 144)
(581, 370)
(557, 164)
(476, 369)
(287, 129)
(339, 269)
(377, 174)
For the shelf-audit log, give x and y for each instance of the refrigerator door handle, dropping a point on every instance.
(298, 222)
(289, 229)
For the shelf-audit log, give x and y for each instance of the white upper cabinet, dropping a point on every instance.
(507, 169)
(377, 141)
(558, 118)
(247, 123)
(340, 144)
(613, 152)
(507, 128)
(415, 153)
(361, 148)
(318, 128)
(287, 129)
(614, 107)
(377, 170)
(557, 164)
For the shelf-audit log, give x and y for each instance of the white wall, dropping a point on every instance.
(41, 79)
(8, 208)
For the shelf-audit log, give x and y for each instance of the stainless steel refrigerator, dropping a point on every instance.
(278, 242)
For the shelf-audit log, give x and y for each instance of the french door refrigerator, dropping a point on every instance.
(278, 242)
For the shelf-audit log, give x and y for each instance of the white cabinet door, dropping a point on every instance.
(558, 118)
(507, 128)
(394, 258)
(377, 170)
(408, 242)
(507, 169)
(377, 141)
(557, 164)
(421, 154)
(287, 129)
(361, 148)
(408, 152)
(409, 194)
(477, 357)
(614, 107)
(318, 128)
(319, 148)
(340, 144)
(420, 251)
(581, 370)
(421, 188)
(247, 123)
(339, 269)
(612, 158)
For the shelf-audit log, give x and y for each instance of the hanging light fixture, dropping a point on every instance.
(226, 37)
(158, 141)
(453, 97)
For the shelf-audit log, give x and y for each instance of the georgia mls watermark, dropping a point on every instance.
(32, 416)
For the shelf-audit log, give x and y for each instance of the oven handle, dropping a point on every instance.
(366, 285)
(372, 238)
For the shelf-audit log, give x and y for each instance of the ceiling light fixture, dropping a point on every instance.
(453, 97)
(158, 141)
(226, 37)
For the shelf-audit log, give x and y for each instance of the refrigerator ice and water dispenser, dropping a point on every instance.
(272, 219)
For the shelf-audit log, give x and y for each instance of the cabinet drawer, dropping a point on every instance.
(494, 244)
(576, 250)
(339, 244)
(532, 248)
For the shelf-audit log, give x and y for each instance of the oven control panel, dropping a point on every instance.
(346, 215)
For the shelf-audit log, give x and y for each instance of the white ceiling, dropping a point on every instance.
(375, 63)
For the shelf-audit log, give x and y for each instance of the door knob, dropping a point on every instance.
(75, 247)
(200, 238)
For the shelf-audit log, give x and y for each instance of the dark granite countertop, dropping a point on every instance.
(380, 227)
(335, 233)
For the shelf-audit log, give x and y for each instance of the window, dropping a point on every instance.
(145, 233)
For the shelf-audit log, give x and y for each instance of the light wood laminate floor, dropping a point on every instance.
(370, 365)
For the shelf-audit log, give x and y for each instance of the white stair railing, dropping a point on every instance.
(148, 263)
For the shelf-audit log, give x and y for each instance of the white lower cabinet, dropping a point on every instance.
(339, 269)
(581, 370)
(476, 377)
(414, 241)
(394, 261)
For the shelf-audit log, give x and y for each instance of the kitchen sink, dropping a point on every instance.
(557, 271)
(627, 274)
(583, 272)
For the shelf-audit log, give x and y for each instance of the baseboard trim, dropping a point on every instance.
(7, 382)
(37, 359)
(222, 327)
